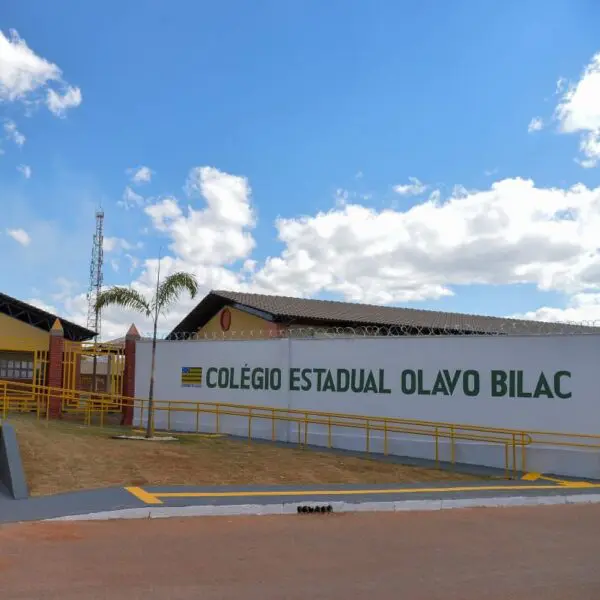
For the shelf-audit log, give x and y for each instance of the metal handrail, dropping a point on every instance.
(17, 396)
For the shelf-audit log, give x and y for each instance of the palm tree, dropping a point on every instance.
(166, 294)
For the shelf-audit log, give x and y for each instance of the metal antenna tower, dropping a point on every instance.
(94, 321)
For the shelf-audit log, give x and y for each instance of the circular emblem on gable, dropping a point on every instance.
(225, 319)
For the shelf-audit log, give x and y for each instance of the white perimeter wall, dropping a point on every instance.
(578, 355)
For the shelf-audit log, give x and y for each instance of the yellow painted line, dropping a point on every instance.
(301, 493)
(531, 476)
(143, 495)
(562, 482)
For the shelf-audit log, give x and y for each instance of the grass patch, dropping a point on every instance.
(62, 456)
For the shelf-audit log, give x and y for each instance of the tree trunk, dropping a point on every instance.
(149, 428)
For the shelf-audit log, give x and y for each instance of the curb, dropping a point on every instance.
(338, 507)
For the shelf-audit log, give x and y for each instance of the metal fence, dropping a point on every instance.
(482, 326)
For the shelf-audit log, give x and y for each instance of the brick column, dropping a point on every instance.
(131, 338)
(54, 376)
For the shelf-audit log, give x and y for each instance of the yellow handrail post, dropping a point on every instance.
(168, 416)
(273, 434)
(523, 454)
(329, 431)
(437, 447)
(514, 452)
(368, 431)
(249, 424)
(198, 417)
(506, 460)
(305, 429)
(385, 438)
(452, 450)
(218, 421)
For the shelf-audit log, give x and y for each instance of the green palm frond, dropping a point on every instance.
(124, 297)
(172, 287)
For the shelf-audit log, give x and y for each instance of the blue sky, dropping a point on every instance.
(306, 111)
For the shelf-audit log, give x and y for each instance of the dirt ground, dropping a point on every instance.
(537, 553)
(65, 456)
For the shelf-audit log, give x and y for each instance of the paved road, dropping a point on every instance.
(538, 553)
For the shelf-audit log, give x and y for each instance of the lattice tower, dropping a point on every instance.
(94, 318)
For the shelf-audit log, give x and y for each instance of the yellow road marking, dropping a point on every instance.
(154, 497)
(562, 482)
(143, 495)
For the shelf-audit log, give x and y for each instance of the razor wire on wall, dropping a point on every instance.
(487, 327)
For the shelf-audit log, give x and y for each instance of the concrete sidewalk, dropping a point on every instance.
(153, 501)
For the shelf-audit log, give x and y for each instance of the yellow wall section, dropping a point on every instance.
(243, 325)
(16, 335)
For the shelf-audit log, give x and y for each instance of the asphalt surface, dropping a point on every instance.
(538, 553)
(118, 499)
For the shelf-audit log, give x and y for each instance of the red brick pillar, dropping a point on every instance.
(54, 375)
(131, 338)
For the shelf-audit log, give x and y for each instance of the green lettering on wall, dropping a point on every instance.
(471, 384)
(451, 381)
(320, 373)
(329, 383)
(408, 382)
(258, 378)
(343, 380)
(357, 380)
(275, 379)
(223, 377)
(542, 388)
(307, 383)
(521, 393)
(421, 389)
(439, 385)
(370, 384)
(382, 388)
(558, 377)
(210, 382)
(498, 383)
(294, 380)
(245, 378)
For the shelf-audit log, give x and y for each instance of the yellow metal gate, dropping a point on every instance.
(94, 368)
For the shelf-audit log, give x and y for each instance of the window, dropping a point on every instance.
(16, 369)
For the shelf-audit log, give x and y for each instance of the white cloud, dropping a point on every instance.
(130, 199)
(582, 308)
(19, 235)
(59, 103)
(510, 233)
(25, 170)
(414, 188)
(12, 133)
(536, 124)
(30, 78)
(140, 175)
(111, 244)
(21, 70)
(579, 111)
(218, 233)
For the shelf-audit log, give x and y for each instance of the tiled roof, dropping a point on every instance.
(301, 310)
